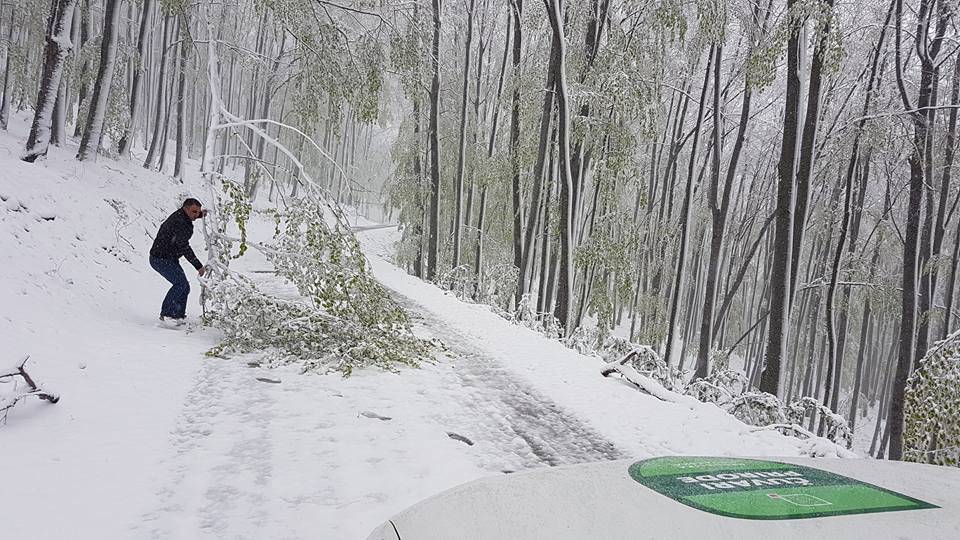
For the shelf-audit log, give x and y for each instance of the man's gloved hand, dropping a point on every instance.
(202, 270)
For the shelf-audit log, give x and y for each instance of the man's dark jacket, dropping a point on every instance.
(173, 239)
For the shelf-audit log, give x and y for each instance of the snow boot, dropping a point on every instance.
(171, 323)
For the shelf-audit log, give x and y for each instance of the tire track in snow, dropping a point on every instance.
(222, 459)
(509, 409)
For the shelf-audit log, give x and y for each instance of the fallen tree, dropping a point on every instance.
(342, 318)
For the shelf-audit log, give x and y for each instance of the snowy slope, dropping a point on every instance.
(79, 297)
(153, 440)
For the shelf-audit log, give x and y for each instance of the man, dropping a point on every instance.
(171, 243)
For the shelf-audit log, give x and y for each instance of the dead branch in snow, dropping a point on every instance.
(32, 388)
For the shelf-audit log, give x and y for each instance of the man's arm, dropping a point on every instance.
(192, 257)
(183, 244)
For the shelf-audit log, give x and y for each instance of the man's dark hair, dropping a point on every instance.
(191, 202)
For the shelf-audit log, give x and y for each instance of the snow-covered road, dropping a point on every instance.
(507, 408)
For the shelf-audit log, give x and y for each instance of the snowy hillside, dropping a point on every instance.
(151, 439)
(81, 300)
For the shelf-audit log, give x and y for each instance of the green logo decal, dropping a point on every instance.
(757, 489)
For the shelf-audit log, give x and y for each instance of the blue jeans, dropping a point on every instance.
(175, 302)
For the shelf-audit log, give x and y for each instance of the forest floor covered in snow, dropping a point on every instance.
(152, 439)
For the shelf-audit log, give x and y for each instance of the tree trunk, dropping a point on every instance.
(949, 155)
(833, 371)
(908, 305)
(685, 212)
(93, 133)
(418, 175)
(565, 262)
(125, 143)
(517, 209)
(181, 97)
(884, 400)
(62, 105)
(161, 83)
(718, 211)
(58, 133)
(546, 117)
(924, 250)
(951, 281)
(805, 160)
(780, 279)
(55, 52)
(7, 79)
(86, 30)
(478, 261)
(546, 243)
(475, 135)
(168, 99)
(433, 249)
(864, 327)
(462, 154)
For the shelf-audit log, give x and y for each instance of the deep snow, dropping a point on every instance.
(151, 439)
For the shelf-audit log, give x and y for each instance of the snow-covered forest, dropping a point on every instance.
(746, 203)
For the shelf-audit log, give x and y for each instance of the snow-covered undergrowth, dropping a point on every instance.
(932, 406)
(727, 388)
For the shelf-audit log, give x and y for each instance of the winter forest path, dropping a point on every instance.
(272, 453)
